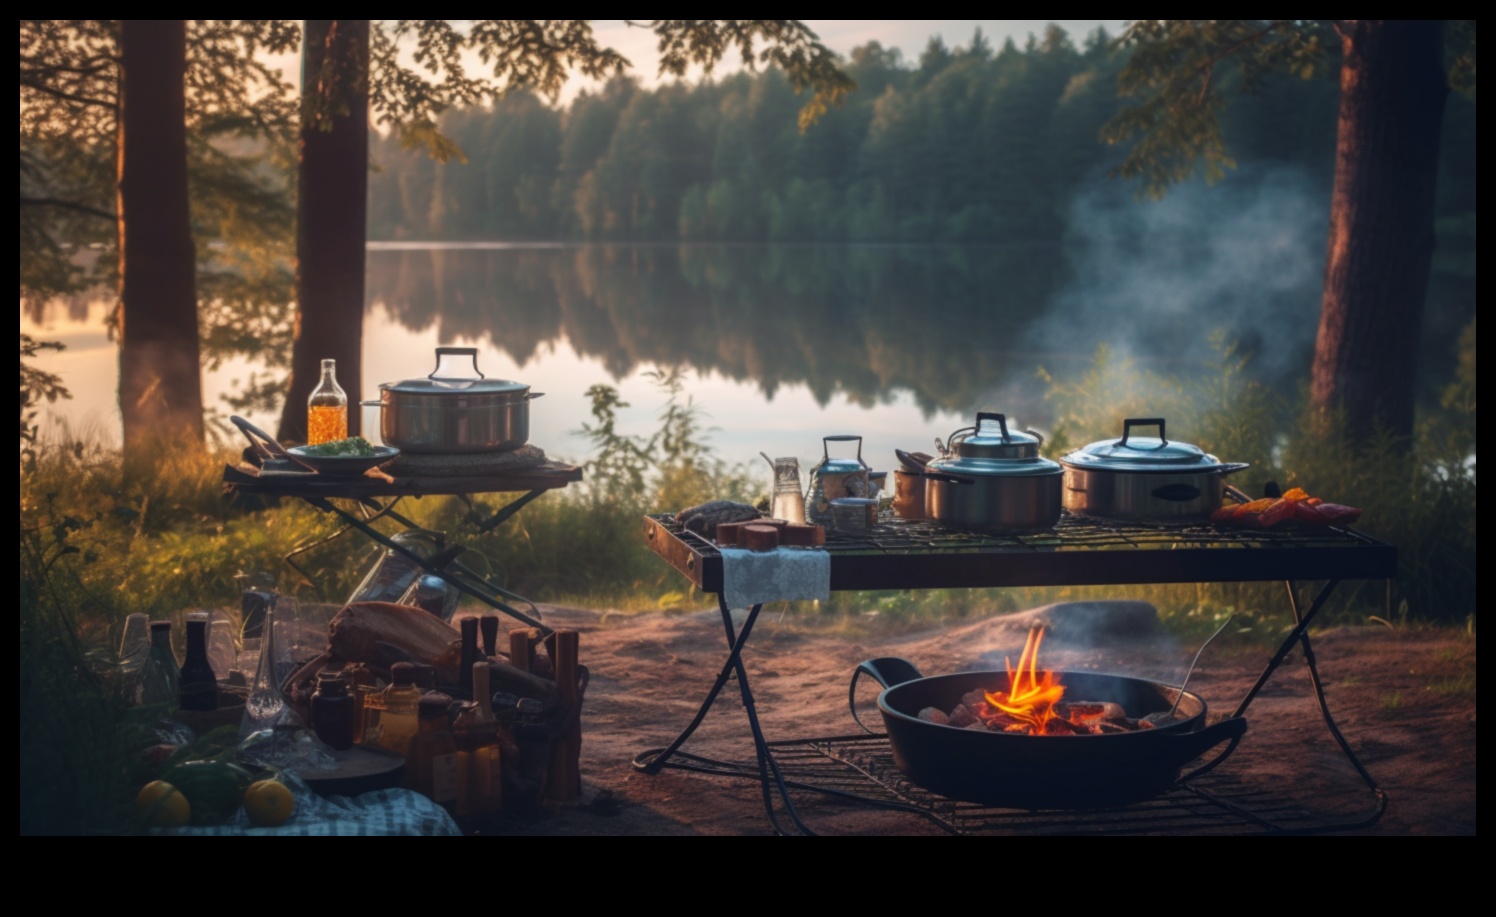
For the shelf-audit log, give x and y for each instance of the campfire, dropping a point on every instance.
(1034, 704)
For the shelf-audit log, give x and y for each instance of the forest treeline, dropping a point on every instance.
(966, 144)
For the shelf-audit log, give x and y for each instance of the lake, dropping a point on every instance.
(781, 344)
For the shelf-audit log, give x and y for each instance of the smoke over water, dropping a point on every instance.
(1155, 280)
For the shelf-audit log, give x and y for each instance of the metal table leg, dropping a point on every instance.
(439, 570)
(771, 778)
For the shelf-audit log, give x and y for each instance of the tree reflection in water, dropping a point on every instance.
(943, 322)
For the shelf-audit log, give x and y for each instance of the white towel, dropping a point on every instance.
(786, 573)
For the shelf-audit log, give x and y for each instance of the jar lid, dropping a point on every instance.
(403, 673)
(433, 704)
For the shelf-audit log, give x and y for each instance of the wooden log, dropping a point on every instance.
(564, 782)
(511, 680)
(522, 648)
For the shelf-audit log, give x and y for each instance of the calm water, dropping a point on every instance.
(782, 344)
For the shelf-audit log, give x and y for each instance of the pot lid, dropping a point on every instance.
(978, 466)
(992, 442)
(456, 372)
(1142, 453)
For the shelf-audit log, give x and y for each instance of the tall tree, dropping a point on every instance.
(1393, 86)
(522, 54)
(155, 130)
(331, 215)
(160, 373)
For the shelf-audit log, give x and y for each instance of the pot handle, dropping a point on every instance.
(1191, 745)
(1002, 423)
(1233, 468)
(886, 671)
(372, 404)
(534, 395)
(442, 352)
(1131, 422)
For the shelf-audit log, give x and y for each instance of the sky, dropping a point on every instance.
(840, 35)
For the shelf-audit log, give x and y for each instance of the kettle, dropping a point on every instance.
(833, 478)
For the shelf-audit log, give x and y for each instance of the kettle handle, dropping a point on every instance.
(1002, 422)
(826, 442)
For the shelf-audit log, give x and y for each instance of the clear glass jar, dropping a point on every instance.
(327, 408)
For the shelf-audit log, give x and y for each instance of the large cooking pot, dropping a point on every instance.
(1144, 477)
(455, 409)
(1019, 771)
(993, 481)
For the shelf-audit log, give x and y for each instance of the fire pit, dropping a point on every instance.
(1010, 738)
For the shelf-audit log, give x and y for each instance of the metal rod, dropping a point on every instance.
(427, 567)
(508, 510)
(1319, 694)
(1288, 642)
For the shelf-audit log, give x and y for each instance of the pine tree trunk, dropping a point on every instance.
(331, 217)
(1392, 93)
(160, 380)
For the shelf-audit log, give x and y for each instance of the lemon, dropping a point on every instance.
(162, 805)
(268, 803)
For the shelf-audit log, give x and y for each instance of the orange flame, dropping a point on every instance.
(1031, 693)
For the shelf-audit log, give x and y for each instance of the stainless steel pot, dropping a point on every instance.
(993, 481)
(455, 409)
(1144, 477)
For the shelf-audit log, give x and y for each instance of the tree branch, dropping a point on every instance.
(1208, 67)
(67, 205)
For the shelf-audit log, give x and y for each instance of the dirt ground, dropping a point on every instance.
(1404, 700)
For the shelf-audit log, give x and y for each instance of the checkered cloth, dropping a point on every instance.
(382, 812)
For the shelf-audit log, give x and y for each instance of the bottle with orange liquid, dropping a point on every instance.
(327, 408)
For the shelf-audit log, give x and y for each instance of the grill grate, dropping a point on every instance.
(893, 535)
(861, 770)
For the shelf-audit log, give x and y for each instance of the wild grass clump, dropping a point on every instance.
(1418, 494)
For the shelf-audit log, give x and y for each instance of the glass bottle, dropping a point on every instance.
(333, 710)
(327, 408)
(476, 732)
(431, 756)
(470, 655)
(160, 679)
(393, 719)
(197, 683)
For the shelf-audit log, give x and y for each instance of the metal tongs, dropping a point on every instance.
(274, 459)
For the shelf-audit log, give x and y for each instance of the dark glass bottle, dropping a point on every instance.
(161, 675)
(489, 624)
(198, 684)
(470, 655)
(333, 710)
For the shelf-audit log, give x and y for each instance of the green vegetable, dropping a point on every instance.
(214, 790)
(353, 445)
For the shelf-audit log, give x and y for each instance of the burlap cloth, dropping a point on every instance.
(469, 464)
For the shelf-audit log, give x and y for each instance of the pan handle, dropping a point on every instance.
(1198, 743)
(886, 671)
(262, 441)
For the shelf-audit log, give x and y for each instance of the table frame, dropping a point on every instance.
(901, 555)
